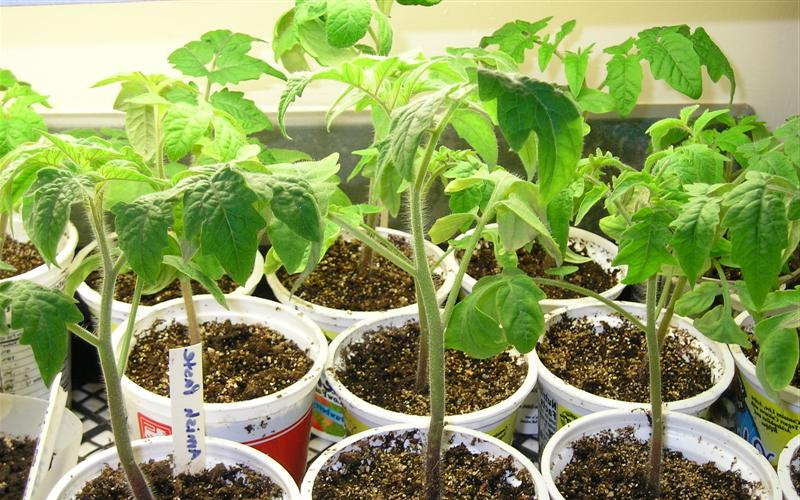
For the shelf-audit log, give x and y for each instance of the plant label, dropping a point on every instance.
(188, 415)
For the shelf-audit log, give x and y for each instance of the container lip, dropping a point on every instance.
(578, 234)
(464, 419)
(675, 422)
(68, 242)
(450, 429)
(214, 444)
(790, 394)
(448, 266)
(702, 399)
(311, 331)
(92, 296)
(784, 469)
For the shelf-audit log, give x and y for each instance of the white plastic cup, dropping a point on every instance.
(328, 418)
(159, 448)
(762, 420)
(561, 403)
(785, 465)
(602, 251)
(23, 417)
(698, 440)
(498, 420)
(277, 424)
(476, 442)
(19, 373)
(121, 310)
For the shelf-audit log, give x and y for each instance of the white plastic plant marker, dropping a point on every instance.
(47, 441)
(188, 415)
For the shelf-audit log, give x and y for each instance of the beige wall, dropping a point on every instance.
(62, 50)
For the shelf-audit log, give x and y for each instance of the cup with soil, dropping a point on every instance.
(789, 469)
(591, 359)
(767, 420)
(261, 363)
(372, 366)
(21, 420)
(19, 373)
(605, 455)
(233, 471)
(391, 459)
(123, 294)
(337, 295)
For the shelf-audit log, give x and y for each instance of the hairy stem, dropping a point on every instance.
(84, 334)
(116, 405)
(421, 383)
(367, 254)
(122, 359)
(663, 328)
(191, 314)
(657, 438)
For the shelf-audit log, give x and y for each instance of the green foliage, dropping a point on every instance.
(643, 246)
(142, 231)
(184, 125)
(695, 229)
(516, 37)
(19, 121)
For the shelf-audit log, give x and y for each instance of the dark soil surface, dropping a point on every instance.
(794, 263)
(605, 360)
(752, 355)
(16, 458)
(339, 282)
(392, 471)
(794, 471)
(382, 371)
(534, 263)
(126, 282)
(23, 256)
(217, 483)
(614, 465)
(240, 361)
(731, 273)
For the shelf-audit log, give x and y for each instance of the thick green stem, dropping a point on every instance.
(657, 438)
(116, 405)
(122, 359)
(191, 314)
(421, 383)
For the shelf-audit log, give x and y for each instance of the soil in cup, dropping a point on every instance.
(536, 262)
(613, 464)
(240, 361)
(381, 369)
(126, 282)
(23, 256)
(794, 470)
(218, 483)
(392, 468)
(605, 359)
(16, 457)
(339, 282)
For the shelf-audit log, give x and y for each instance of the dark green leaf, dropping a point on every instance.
(698, 300)
(294, 204)
(142, 231)
(673, 59)
(718, 325)
(778, 352)
(643, 247)
(515, 37)
(694, 229)
(712, 58)
(624, 81)
(477, 129)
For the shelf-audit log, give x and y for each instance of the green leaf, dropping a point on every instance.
(295, 86)
(385, 34)
(509, 227)
(294, 204)
(313, 37)
(775, 163)
(673, 59)
(347, 22)
(448, 225)
(244, 110)
(595, 101)
(515, 37)
(520, 315)
(778, 352)
(589, 199)
(142, 232)
(191, 59)
(575, 65)
(758, 227)
(559, 214)
(643, 246)
(194, 272)
(624, 81)
(477, 129)
(42, 314)
(789, 133)
(712, 58)
(694, 229)
(292, 251)
(228, 140)
(718, 325)
(698, 300)
(525, 106)
(184, 125)
(562, 270)
(219, 212)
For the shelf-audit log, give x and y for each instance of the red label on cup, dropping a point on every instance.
(289, 447)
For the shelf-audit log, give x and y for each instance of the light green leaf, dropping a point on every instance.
(448, 225)
(775, 163)
(184, 125)
(624, 81)
(698, 300)
(673, 59)
(347, 22)
(589, 199)
(643, 247)
(694, 229)
(228, 139)
(140, 128)
(191, 59)
(510, 230)
(515, 37)
(595, 101)
(244, 110)
(712, 58)
(778, 352)
(194, 272)
(478, 131)
(718, 325)
(575, 65)
(295, 86)
(385, 34)
(314, 40)
(142, 232)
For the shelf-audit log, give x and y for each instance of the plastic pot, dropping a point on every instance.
(121, 310)
(561, 403)
(19, 373)
(498, 420)
(476, 442)
(785, 466)
(22, 417)
(697, 439)
(328, 419)
(766, 422)
(277, 424)
(159, 448)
